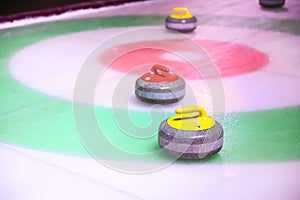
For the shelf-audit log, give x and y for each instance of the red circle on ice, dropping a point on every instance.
(230, 59)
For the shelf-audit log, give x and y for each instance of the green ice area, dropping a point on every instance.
(48, 124)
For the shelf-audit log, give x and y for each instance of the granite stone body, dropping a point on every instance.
(162, 93)
(190, 144)
(181, 25)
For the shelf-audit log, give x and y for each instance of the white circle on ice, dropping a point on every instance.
(51, 67)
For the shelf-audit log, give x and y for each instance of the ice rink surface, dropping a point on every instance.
(44, 153)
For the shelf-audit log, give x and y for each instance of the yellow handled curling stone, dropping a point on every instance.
(182, 20)
(190, 134)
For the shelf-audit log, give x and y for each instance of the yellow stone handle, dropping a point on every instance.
(191, 118)
(181, 13)
(192, 109)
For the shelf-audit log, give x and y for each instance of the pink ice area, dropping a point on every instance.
(229, 58)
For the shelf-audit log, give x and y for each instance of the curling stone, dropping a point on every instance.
(160, 85)
(190, 134)
(182, 21)
(272, 3)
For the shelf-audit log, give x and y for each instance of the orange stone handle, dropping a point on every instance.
(160, 70)
(159, 74)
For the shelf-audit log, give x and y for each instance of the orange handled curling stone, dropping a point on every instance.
(190, 134)
(160, 85)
